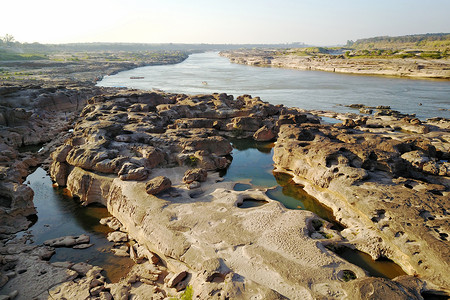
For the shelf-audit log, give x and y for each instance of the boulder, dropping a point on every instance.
(158, 185)
(117, 236)
(198, 174)
(130, 171)
(68, 241)
(264, 134)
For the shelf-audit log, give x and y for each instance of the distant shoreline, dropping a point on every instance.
(404, 68)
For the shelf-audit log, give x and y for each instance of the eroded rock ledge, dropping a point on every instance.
(372, 181)
(415, 68)
(390, 189)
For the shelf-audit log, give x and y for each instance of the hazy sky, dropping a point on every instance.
(319, 22)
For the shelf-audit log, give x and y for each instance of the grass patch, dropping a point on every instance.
(348, 275)
(186, 295)
(6, 55)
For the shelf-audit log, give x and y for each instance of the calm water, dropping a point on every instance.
(252, 162)
(304, 89)
(60, 215)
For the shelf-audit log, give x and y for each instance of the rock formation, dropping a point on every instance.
(386, 178)
(390, 189)
(415, 68)
(221, 245)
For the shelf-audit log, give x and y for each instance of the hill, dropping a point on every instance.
(429, 41)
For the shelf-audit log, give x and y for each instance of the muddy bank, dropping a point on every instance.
(411, 68)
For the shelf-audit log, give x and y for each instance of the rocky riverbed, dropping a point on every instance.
(410, 67)
(152, 159)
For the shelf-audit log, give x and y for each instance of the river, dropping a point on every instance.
(208, 72)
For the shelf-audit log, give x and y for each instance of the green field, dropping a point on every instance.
(8, 55)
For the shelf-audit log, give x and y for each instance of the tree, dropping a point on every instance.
(8, 39)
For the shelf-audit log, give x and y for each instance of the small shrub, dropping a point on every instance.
(191, 161)
(348, 275)
(326, 235)
(187, 294)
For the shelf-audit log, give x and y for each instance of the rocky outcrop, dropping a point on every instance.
(205, 233)
(415, 68)
(390, 189)
(128, 134)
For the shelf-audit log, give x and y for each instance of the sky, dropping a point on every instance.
(314, 22)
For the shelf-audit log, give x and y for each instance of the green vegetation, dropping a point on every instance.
(326, 235)
(191, 161)
(8, 55)
(382, 53)
(348, 275)
(186, 295)
(424, 46)
(429, 41)
(317, 224)
(309, 51)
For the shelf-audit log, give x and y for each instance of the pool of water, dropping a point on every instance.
(379, 268)
(59, 215)
(253, 163)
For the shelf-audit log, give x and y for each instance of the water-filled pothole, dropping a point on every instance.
(249, 203)
(379, 268)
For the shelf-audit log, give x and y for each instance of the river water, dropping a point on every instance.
(304, 89)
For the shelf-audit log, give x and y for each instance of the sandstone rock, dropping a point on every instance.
(44, 253)
(82, 268)
(195, 175)
(176, 278)
(63, 264)
(119, 291)
(88, 186)
(59, 172)
(380, 288)
(60, 154)
(35, 277)
(291, 119)
(105, 296)
(194, 185)
(68, 241)
(120, 252)
(349, 123)
(82, 246)
(130, 171)
(264, 134)
(111, 222)
(158, 185)
(117, 237)
(3, 279)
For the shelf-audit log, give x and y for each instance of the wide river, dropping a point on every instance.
(304, 89)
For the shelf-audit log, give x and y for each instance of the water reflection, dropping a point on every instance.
(60, 215)
(379, 268)
(252, 162)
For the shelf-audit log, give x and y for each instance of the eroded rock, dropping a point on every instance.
(158, 185)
